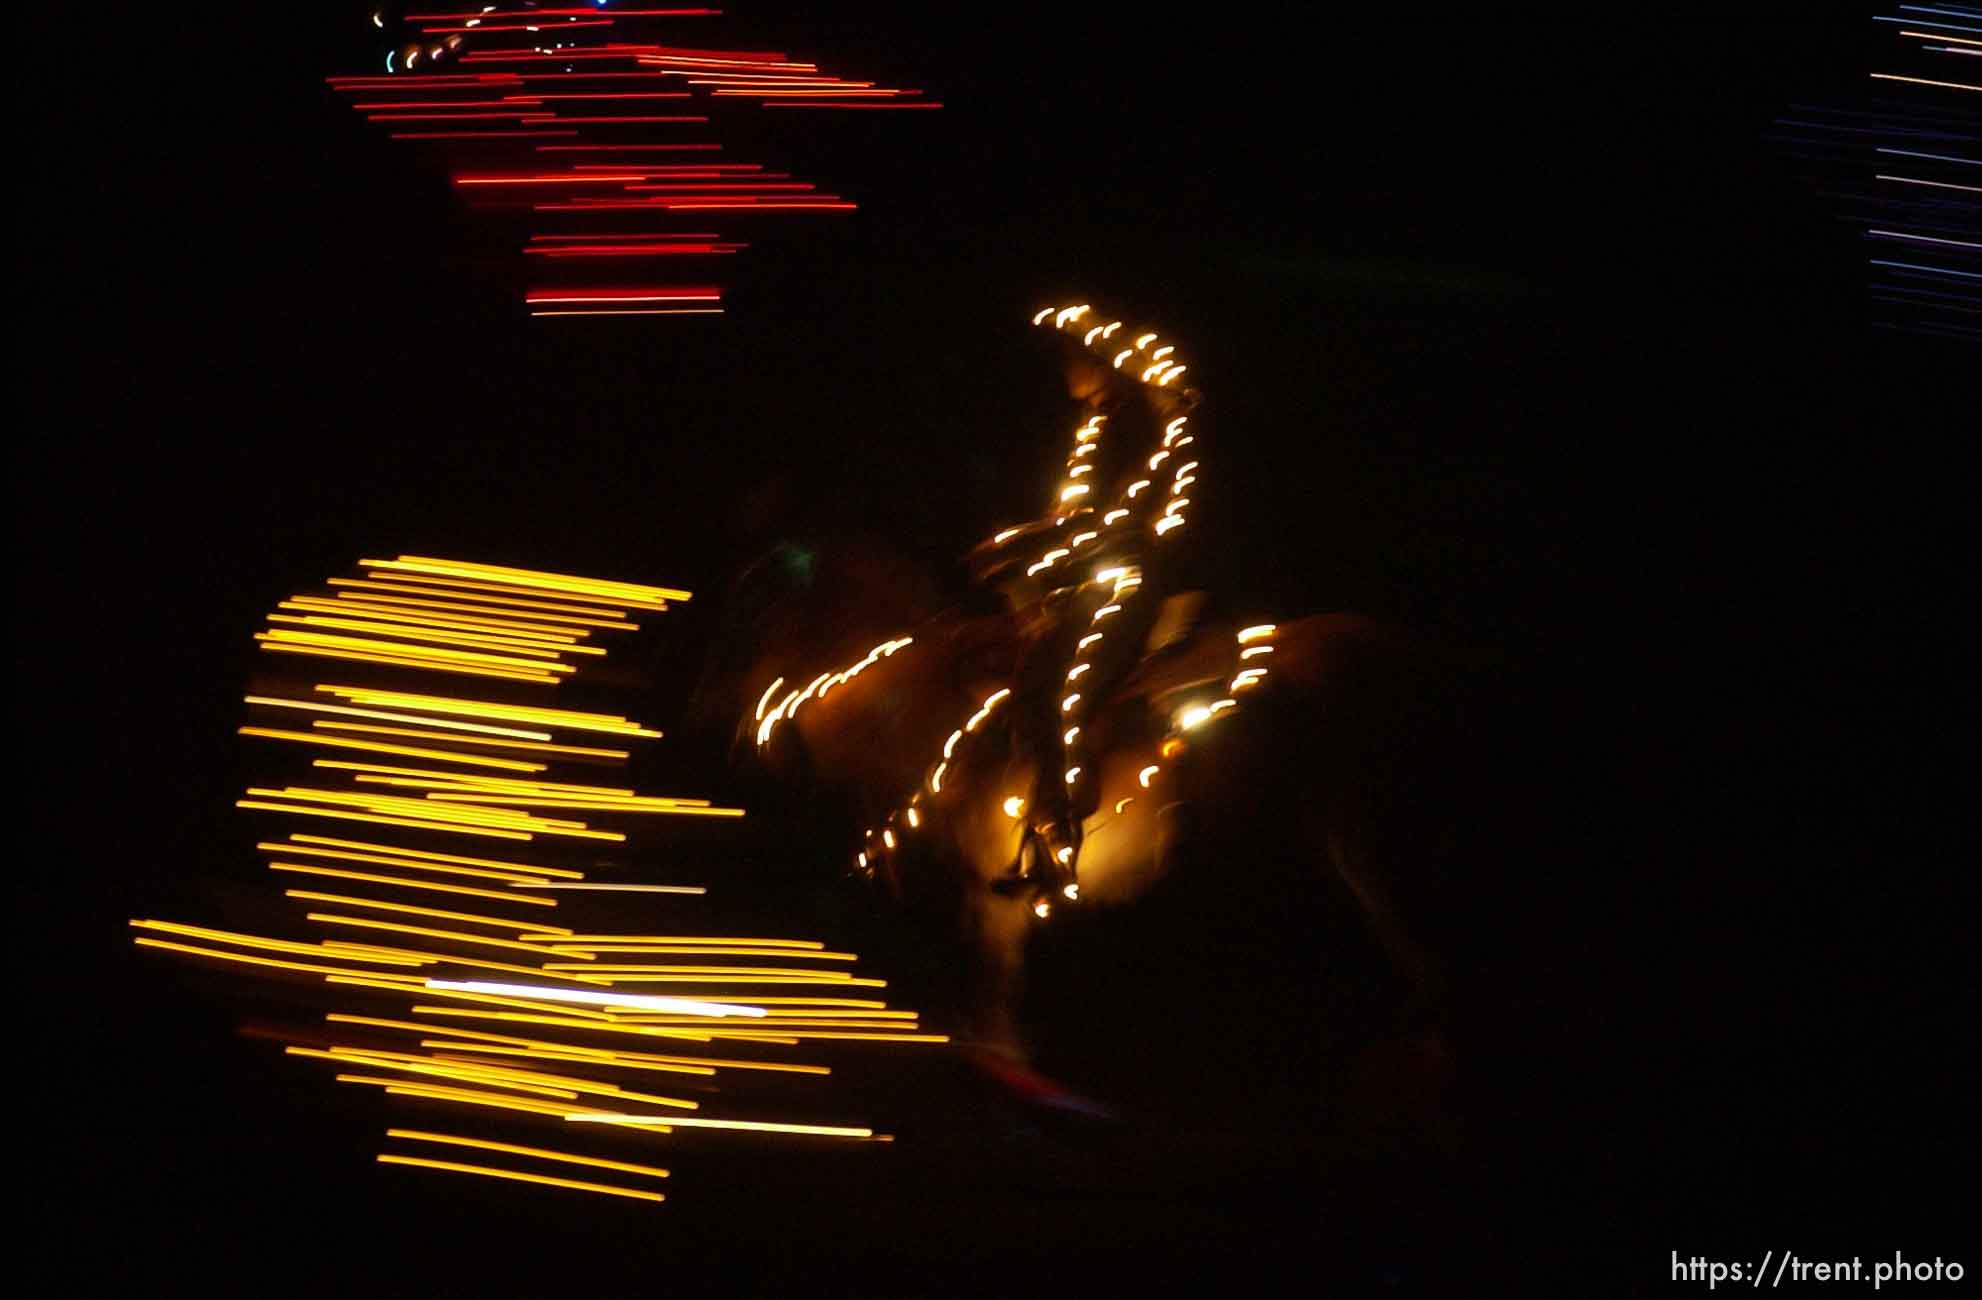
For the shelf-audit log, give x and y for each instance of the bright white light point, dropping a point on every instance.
(1164, 380)
(949, 746)
(914, 819)
(1067, 705)
(888, 838)
(862, 857)
(1089, 336)
(1109, 575)
(1041, 908)
(1013, 805)
(1071, 891)
(1219, 706)
(1158, 459)
(1077, 490)
(995, 696)
(1136, 487)
(1105, 611)
(1042, 314)
(1065, 855)
(1081, 539)
(1073, 775)
(1087, 640)
(1079, 470)
(1121, 804)
(1077, 670)
(936, 777)
(1142, 777)
(1071, 734)
(1145, 341)
(1162, 352)
(1256, 651)
(1113, 515)
(1006, 536)
(1193, 717)
(1122, 356)
(1256, 631)
(1176, 505)
(644, 1002)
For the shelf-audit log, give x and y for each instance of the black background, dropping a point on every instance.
(1514, 329)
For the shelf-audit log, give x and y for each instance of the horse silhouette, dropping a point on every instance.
(1323, 845)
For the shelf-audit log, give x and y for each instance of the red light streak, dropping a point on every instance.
(528, 27)
(623, 148)
(573, 13)
(625, 234)
(559, 178)
(684, 118)
(667, 293)
(636, 250)
(473, 135)
(816, 103)
(508, 102)
(521, 114)
(609, 94)
(659, 311)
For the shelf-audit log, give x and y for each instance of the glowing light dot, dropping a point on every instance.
(1042, 909)
(1065, 855)
(1077, 490)
(914, 819)
(1113, 515)
(1067, 705)
(1006, 536)
(1122, 803)
(1143, 777)
(1105, 611)
(1071, 734)
(1145, 341)
(888, 838)
(1041, 315)
(1088, 338)
(1072, 891)
(1077, 670)
(1087, 640)
(1122, 356)
(1256, 632)
(1161, 352)
(1013, 805)
(1073, 775)
(1194, 716)
(1136, 487)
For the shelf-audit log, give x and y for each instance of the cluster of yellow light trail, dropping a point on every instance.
(486, 951)
(817, 688)
(456, 617)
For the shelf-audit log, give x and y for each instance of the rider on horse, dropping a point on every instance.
(1086, 584)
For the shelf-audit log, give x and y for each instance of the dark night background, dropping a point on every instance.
(1513, 327)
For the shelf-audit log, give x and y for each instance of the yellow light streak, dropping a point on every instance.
(271, 945)
(567, 1157)
(594, 587)
(497, 624)
(485, 1171)
(1922, 81)
(573, 750)
(742, 1125)
(626, 970)
(246, 959)
(671, 807)
(618, 1027)
(451, 828)
(451, 725)
(569, 1016)
(501, 1076)
(401, 882)
(418, 630)
(1256, 632)
(513, 589)
(427, 855)
(400, 661)
(471, 1096)
(395, 927)
(414, 864)
(404, 751)
(341, 947)
(482, 783)
(692, 938)
(489, 709)
(579, 614)
(589, 1053)
(494, 1078)
(415, 653)
(567, 1056)
(815, 978)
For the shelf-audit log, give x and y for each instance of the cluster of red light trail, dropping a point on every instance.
(565, 117)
